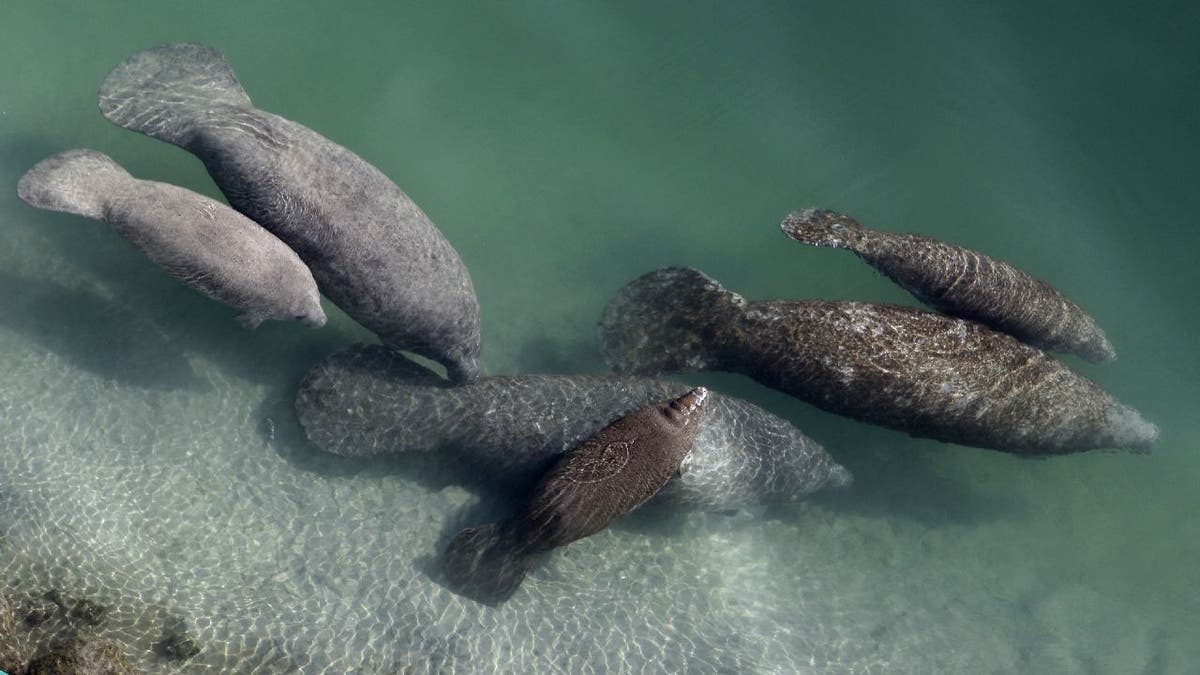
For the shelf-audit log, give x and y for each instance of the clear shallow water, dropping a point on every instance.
(149, 459)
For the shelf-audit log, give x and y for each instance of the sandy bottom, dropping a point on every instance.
(171, 491)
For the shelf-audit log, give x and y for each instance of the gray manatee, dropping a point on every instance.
(198, 240)
(962, 282)
(593, 484)
(370, 400)
(373, 252)
(921, 372)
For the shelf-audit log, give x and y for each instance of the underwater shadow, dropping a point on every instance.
(19, 152)
(95, 334)
(899, 479)
(545, 355)
(488, 507)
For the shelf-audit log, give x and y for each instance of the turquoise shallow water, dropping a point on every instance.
(149, 457)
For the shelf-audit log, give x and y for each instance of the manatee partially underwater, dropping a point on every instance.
(921, 372)
(199, 241)
(369, 400)
(374, 253)
(962, 283)
(593, 484)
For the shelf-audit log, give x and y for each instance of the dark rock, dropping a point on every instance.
(12, 652)
(77, 609)
(177, 643)
(91, 613)
(81, 656)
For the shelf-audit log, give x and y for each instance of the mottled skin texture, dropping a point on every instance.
(369, 400)
(962, 282)
(373, 252)
(924, 373)
(198, 240)
(596, 482)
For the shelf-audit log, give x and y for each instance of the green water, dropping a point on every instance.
(148, 455)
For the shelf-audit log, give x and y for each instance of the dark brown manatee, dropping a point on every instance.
(924, 373)
(962, 283)
(592, 485)
(373, 252)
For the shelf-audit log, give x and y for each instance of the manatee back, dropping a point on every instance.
(673, 318)
(612, 472)
(933, 376)
(745, 455)
(369, 400)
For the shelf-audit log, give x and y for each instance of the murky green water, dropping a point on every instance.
(149, 457)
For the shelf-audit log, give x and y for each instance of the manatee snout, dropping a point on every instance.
(313, 318)
(301, 302)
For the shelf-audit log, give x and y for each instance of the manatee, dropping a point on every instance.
(369, 400)
(962, 283)
(197, 240)
(373, 252)
(593, 484)
(928, 374)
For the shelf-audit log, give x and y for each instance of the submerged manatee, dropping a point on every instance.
(962, 282)
(373, 252)
(369, 400)
(930, 375)
(198, 240)
(593, 484)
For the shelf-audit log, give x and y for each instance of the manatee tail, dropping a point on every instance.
(822, 227)
(163, 91)
(76, 181)
(669, 319)
(370, 400)
(486, 563)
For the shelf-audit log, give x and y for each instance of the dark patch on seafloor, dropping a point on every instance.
(57, 633)
(118, 344)
(562, 356)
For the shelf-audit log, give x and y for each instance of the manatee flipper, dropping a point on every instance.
(486, 563)
(163, 91)
(75, 181)
(657, 322)
(250, 320)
